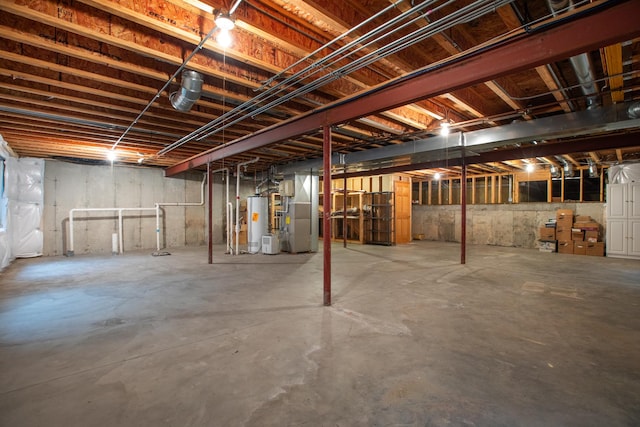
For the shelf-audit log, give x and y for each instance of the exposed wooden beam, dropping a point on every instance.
(613, 57)
(571, 159)
(544, 44)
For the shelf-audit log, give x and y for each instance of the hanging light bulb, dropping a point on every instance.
(444, 128)
(530, 167)
(437, 176)
(224, 38)
(111, 155)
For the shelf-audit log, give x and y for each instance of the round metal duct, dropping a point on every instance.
(189, 91)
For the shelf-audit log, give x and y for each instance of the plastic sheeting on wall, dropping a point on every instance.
(24, 181)
(624, 173)
(23, 200)
(24, 229)
(25, 185)
(5, 252)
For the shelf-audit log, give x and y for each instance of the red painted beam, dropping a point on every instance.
(583, 30)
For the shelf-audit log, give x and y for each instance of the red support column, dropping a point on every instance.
(463, 203)
(210, 212)
(326, 219)
(344, 212)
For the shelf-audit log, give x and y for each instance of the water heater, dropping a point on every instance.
(257, 222)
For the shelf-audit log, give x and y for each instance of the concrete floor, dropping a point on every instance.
(513, 338)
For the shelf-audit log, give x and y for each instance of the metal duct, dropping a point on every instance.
(593, 169)
(567, 167)
(634, 110)
(581, 64)
(189, 91)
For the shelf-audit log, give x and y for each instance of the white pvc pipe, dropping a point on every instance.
(156, 208)
(238, 201)
(118, 210)
(229, 227)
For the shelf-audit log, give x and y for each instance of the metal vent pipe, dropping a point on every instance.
(189, 93)
(634, 110)
(581, 64)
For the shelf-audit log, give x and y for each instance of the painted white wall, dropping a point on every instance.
(514, 225)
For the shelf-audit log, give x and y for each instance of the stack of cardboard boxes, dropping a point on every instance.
(579, 237)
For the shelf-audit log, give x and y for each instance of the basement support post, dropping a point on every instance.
(326, 219)
(463, 204)
(210, 213)
(344, 211)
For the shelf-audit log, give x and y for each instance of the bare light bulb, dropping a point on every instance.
(437, 175)
(111, 155)
(444, 129)
(531, 167)
(224, 38)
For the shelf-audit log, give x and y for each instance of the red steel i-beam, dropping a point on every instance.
(463, 215)
(596, 25)
(326, 208)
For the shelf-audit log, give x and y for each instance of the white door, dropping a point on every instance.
(634, 201)
(616, 201)
(633, 238)
(617, 237)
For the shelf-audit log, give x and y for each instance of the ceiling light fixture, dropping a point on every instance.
(530, 167)
(437, 175)
(111, 155)
(444, 129)
(224, 22)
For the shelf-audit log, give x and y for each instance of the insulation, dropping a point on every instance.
(624, 173)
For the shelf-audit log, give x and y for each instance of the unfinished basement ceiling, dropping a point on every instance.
(75, 75)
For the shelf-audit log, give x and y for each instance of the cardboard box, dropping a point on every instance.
(591, 225)
(565, 247)
(242, 236)
(564, 213)
(591, 235)
(563, 233)
(583, 218)
(577, 235)
(565, 222)
(579, 248)
(595, 248)
(547, 233)
(564, 236)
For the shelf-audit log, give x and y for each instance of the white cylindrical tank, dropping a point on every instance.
(257, 222)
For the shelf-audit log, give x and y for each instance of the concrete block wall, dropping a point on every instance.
(514, 225)
(69, 185)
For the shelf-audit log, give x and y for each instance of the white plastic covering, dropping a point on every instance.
(24, 229)
(624, 173)
(23, 201)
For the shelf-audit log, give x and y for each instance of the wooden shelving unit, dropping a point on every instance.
(276, 212)
(352, 201)
(379, 224)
